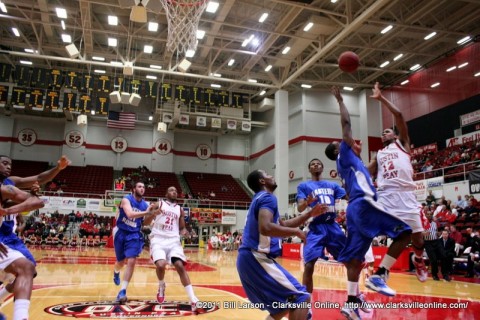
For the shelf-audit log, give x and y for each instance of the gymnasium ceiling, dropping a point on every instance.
(354, 25)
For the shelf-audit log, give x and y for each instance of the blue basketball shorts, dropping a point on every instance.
(321, 236)
(365, 220)
(267, 283)
(127, 244)
(15, 243)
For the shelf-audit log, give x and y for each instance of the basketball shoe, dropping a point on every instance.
(420, 270)
(122, 296)
(377, 283)
(161, 294)
(350, 313)
(116, 278)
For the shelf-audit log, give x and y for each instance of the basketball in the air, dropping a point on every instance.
(348, 61)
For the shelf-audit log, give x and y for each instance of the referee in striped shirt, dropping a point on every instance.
(432, 248)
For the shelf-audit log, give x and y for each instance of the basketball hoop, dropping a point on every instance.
(183, 17)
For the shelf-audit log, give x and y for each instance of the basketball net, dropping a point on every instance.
(183, 17)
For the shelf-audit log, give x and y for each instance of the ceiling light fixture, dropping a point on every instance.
(190, 53)
(285, 51)
(113, 20)
(263, 17)
(112, 42)
(451, 68)
(231, 62)
(263, 92)
(308, 26)
(386, 29)
(151, 77)
(200, 34)
(26, 62)
(16, 32)
(431, 35)
(62, 23)
(463, 65)
(436, 84)
(268, 68)
(66, 38)
(415, 67)
(97, 58)
(386, 63)
(99, 71)
(212, 6)
(214, 85)
(154, 66)
(152, 26)
(404, 82)
(147, 48)
(2, 7)
(306, 86)
(463, 40)
(348, 88)
(398, 57)
(252, 80)
(61, 13)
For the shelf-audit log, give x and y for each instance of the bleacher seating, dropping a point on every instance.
(25, 168)
(89, 179)
(162, 180)
(203, 183)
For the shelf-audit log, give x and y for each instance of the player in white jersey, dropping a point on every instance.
(165, 245)
(394, 173)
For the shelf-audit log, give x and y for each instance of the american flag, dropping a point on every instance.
(121, 120)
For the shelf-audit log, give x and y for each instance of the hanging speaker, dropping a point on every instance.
(82, 120)
(72, 51)
(114, 97)
(128, 69)
(184, 65)
(125, 97)
(138, 14)
(135, 99)
(162, 127)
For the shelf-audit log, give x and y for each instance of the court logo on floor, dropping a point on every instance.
(133, 309)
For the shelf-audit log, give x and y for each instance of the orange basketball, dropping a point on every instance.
(348, 61)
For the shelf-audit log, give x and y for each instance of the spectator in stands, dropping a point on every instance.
(473, 242)
(470, 211)
(430, 237)
(59, 191)
(430, 198)
(457, 237)
(224, 188)
(214, 241)
(461, 203)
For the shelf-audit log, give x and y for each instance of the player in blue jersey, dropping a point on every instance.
(267, 284)
(365, 218)
(7, 232)
(127, 235)
(13, 261)
(322, 232)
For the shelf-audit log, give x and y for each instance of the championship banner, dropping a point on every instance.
(184, 119)
(166, 92)
(151, 89)
(85, 103)
(136, 86)
(167, 117)
(36, 99)
(223, 98)
(53, 100)
(246, 126)
(201, 121)
(102, 83)
(102, 105)
(70, 101)
(21, 76)
(232, 124)
(196, 95)
(56, 79)
(86, 82)
(39, 78)
(216, 122)
(210, 97)
(4, 90)
(237, 100)
(72, 80)
(120, 84)
(182, 93)
(5, 72)
(19, 96)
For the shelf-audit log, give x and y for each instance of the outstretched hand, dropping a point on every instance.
(318, 210)
(376, 92)
(63, 162)
(336, 92)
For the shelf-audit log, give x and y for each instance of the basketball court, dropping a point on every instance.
(77, 282)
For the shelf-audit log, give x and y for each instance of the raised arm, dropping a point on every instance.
(267, 227)
(344, 118)
(397, 114)
(24, 200)
(127, 208)
(43, 177)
